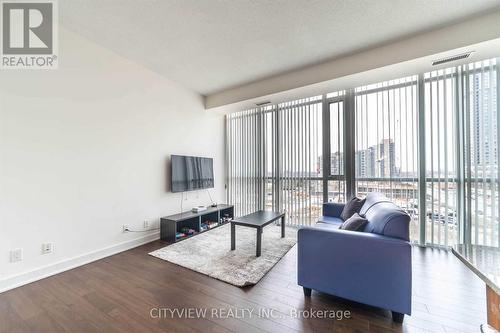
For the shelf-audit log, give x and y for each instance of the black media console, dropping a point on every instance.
(171, 225)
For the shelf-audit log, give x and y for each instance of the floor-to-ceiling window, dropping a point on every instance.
(428, 142)
(481, 172)
(441, 142)
(270, 146)
(245, 160)
(335, 167)
(300, 160)
(386, 143)
(286, 141)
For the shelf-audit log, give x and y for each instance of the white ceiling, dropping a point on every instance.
(213, 45)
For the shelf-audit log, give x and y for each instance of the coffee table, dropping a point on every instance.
(257, 220)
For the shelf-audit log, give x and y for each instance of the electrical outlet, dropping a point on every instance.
(47, 248)
(16, 255)
(125, 228)
(146, 224)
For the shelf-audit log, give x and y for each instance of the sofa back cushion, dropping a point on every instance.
(385, 218)
(372, 199)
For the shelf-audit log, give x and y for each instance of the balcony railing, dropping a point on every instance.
(302, 201)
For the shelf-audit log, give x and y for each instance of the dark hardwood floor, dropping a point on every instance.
(116, 294)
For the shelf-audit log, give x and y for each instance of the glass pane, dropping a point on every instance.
(386, 144)
(482, 168)
(337, 138)
(440, 145)
(336, 191)
(270, 158)
(300, 149)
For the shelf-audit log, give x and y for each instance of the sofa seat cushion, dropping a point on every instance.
(331, 220)
(328, 226)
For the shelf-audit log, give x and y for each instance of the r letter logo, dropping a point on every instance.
(29, 34)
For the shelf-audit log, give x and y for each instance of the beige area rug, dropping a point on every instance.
(210, 253)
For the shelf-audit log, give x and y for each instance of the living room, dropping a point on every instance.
(249, 166)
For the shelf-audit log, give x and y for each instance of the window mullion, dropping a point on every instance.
(421, 159)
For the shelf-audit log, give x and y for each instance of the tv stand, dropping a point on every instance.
(170, 225)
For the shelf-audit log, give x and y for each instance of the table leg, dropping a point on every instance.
(259, 241)
(233, 236)
(283, 226)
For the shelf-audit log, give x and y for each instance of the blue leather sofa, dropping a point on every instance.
(372, 266)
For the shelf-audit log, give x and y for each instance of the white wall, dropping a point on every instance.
(83, 151)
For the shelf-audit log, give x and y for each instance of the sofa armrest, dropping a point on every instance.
(363, 267)
(333, 209)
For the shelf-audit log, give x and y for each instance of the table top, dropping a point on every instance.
(258, 219)
(190, 214)
(484, 261)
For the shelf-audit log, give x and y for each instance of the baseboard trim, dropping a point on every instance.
(43, 272)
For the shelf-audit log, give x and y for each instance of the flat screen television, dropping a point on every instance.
(191, 173)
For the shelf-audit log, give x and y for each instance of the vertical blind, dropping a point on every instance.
(429, 142)
(481, 123)
(274, 160)
(245, 160)
(440, 132)
(386, 143)
(300, 152)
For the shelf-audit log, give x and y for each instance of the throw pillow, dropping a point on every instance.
(353, 206)
(354, 223)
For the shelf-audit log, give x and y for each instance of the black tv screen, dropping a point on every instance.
(191, 173)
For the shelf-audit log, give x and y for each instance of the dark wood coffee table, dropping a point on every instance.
(257, 220)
